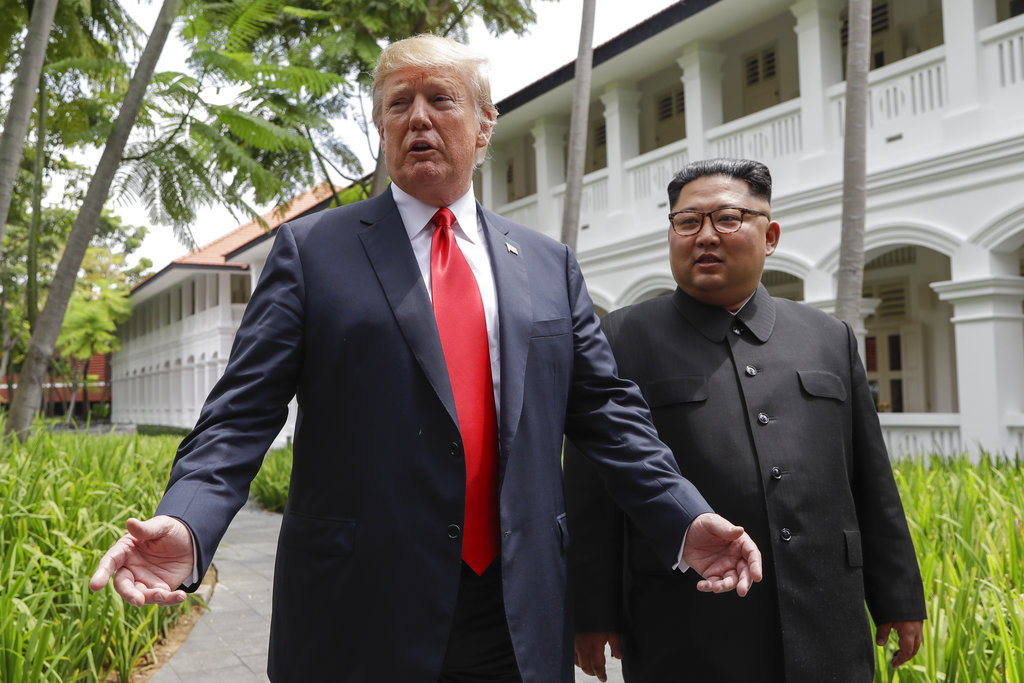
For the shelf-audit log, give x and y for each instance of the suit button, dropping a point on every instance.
(762, 418)
(776, 473)
(454, 450)
(751, 370)
(786, 534)
(454, 531)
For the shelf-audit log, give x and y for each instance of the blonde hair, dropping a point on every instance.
(434, 53)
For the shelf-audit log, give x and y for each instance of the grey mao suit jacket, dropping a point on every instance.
(770, 415)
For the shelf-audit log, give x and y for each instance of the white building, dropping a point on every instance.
(763, 80)
(176, 344)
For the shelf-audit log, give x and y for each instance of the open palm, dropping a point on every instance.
(723, 554)
(148, 563)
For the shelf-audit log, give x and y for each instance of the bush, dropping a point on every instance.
(966, 523)
(270, 487)
(162, 430)
(64, 499)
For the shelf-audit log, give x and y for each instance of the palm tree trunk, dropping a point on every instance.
(851, 246)
(20, 111)
(32, 265)
(578, 128)
(44, 338)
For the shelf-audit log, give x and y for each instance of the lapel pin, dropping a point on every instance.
(512, 249)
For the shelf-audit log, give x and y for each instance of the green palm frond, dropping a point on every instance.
(256, 131)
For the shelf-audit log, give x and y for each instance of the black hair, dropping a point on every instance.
(753, 173)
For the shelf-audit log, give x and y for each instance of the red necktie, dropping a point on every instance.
(460, 322)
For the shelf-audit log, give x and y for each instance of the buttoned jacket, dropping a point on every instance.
(769, 413)
(368, 560)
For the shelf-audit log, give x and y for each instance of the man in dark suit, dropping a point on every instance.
(766, 406)
(437, 352)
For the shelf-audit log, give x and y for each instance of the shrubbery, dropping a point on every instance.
(64, 499)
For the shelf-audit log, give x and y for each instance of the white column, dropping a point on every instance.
(819, 57)
(867, 308)
(702, 83)
(493, 176)
(989, 332)
(622, 129)
(549, 142)
(966, 113)
(224, 298)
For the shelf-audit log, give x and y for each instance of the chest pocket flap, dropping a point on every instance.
(822, 384)
(667, 391)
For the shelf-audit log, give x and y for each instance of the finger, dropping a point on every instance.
(124, 584)
(615, 643)
(882, 636)
(752, 555)
(745, 579)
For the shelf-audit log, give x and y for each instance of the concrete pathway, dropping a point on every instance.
(229, 642)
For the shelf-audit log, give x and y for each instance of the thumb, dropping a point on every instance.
(150, 529)
(882, 636)
(720, 526)
(615, 644)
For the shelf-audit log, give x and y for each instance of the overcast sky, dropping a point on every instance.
(515, 63)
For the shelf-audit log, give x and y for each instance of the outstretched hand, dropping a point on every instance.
(723, 554)
(149, 562)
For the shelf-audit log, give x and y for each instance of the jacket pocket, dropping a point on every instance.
(854, 555)
(563, 530)
(670, 390)
(550, 328)
(822, 384)
(318, 535)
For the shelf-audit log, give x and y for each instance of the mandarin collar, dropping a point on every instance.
(757, 315)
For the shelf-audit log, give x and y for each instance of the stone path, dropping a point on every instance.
(229, 642)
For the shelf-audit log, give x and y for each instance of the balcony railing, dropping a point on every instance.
(769, 135)
(917, 434)
(905, 104)
(1003, 54)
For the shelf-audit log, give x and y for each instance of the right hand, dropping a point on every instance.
(149, 562)
(590, 652)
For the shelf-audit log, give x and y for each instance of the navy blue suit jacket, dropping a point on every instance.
(368, 560)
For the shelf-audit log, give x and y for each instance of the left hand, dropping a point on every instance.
(723, 554)
(911, 634)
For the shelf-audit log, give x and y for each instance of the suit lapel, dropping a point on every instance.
(515, 313)
(386, 243)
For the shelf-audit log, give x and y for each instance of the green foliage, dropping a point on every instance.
(270, 487)
(966, 523)
(64, 499)
(162, 430)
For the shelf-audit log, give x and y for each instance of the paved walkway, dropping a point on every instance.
(229, 642)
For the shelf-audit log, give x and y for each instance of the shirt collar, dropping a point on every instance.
(416, 214)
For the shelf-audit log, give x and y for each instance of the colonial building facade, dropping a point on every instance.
(943, 286)
(175, 346)
(944, 337)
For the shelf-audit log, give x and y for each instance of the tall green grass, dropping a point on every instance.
(270, 487)
(64, 499)
(966, 521)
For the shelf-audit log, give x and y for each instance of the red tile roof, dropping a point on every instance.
(214, 253)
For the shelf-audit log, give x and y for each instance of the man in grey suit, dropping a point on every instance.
(766, 406)
(438, 352)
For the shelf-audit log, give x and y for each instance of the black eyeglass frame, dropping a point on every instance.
(708, 214)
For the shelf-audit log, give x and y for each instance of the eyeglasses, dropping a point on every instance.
(724, 220)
